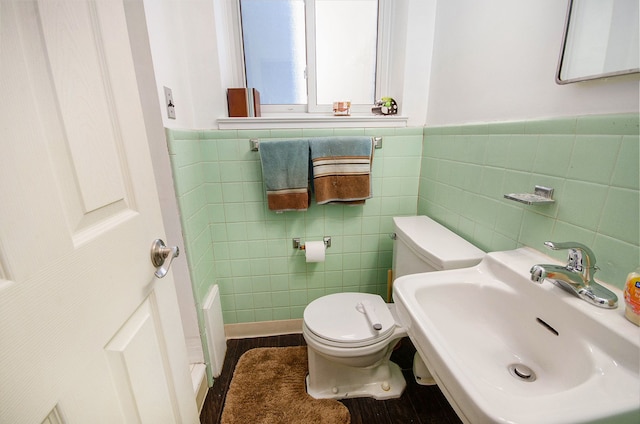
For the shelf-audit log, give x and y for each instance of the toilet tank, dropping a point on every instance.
(423, 245)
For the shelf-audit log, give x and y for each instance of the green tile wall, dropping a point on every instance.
(457, 175)
(233, 240)
(591, 162)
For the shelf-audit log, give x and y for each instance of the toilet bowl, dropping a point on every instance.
(350, 338)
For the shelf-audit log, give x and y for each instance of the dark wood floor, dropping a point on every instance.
(418, 404)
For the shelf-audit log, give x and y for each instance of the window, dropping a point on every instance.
(302, 55)
(274, 49)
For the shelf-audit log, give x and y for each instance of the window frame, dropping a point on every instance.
(311, 107)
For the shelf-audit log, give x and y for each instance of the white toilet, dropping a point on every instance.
(350, 336)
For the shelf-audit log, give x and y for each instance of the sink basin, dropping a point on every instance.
(506, 350)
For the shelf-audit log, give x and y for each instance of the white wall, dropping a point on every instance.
(412, 48)
(164, 23)
(183, 39)
(492, 61)
(496, 61)
(194, 53)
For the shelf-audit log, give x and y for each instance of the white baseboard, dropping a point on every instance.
(263, 329)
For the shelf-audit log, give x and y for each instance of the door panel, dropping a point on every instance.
(144, 392)
(77, 65)
(78, 213)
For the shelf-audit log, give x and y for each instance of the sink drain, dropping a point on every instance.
(522, 372)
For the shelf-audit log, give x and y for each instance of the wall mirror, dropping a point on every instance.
(600, 40)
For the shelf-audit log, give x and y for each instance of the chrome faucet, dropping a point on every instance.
(577, 275)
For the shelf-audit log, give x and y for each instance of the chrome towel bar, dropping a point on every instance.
(254, 143)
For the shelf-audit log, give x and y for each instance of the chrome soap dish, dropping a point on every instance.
(540, 196)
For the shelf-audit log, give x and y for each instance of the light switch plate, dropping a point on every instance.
(168, 101)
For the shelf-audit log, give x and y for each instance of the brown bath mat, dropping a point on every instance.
(268, 386)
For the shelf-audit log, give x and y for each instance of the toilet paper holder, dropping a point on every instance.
(299, 246)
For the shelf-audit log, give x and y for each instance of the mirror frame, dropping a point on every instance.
(565, 35)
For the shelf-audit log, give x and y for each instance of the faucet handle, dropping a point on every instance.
(579, 254)
(574, 260)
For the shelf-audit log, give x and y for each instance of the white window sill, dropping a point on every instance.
(273, 121)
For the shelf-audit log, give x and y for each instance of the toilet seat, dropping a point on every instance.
(336, 320)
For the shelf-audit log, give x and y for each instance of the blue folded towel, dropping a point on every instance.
(285, 170)
(341, 168)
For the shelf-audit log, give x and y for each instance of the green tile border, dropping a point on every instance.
(613, 124)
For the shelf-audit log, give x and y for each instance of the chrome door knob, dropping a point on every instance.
(159, 255)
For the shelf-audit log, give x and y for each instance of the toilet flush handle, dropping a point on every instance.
(368, 310)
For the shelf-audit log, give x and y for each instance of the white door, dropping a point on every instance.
(87, 333)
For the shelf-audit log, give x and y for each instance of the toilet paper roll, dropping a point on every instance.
(314, 251)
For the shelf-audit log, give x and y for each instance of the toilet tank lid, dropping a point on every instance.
(439, 245)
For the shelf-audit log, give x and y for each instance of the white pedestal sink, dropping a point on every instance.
(506, 350)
